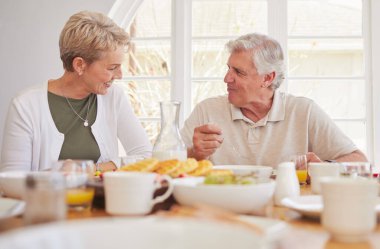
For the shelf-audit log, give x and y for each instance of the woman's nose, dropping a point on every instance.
(118, 74)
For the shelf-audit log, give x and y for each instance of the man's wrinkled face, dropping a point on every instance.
(243, 81)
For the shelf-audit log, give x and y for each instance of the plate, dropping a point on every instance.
(146, 232)
(260, 171)
(10, 207)
(310, 205)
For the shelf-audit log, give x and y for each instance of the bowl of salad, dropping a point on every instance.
(239, 194)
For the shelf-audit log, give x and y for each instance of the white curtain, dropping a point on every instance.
(123, 11)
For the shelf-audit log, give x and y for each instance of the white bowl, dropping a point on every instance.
(12, 183)
(258, 170)
(250, 198)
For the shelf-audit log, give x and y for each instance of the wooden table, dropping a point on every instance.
(302, 233)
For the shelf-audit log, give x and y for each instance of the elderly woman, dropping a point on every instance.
(82, 114)
(256, 123)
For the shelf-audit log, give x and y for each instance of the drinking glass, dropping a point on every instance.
(79, 196)
(300, 160)
(356, 169)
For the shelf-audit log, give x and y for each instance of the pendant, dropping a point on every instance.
(85, 123)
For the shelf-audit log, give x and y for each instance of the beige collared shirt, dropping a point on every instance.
(293, 125)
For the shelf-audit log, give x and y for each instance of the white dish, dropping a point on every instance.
(146, 232)
(310, 205)
(251, 198)
(258, 170)
(12, 183)
(10, 208)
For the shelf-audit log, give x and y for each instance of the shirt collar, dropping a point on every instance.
(276, 112)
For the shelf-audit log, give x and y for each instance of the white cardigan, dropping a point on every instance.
(31, 140)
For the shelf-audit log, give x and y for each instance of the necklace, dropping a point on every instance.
(88, 108)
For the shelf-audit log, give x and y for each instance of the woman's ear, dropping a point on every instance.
(79, 65)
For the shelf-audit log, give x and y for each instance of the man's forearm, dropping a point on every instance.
(356, 156)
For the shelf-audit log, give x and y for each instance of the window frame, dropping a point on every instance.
(181, 46)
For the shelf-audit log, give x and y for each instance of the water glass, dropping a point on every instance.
(45, 197)
(355, 169)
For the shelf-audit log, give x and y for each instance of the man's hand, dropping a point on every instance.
(206, 139)
(312, 158)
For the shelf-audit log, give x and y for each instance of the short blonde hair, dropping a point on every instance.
(88, 34)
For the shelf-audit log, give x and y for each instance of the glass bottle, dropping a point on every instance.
(169, 143)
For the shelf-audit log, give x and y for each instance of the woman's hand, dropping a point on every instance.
(108, 166)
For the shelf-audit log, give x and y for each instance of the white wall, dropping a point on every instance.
(29, 33)
(375, 32)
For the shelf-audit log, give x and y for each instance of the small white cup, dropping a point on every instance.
(131, 193)
(318, 170)
(349, 207)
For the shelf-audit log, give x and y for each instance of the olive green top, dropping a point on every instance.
(79, 142)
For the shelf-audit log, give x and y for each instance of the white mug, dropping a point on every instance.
(318, 170)
(349, 207)
(131, 193)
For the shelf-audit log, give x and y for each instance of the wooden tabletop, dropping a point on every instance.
(302, 233)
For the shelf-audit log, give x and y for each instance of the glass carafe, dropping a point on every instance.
(169, 144)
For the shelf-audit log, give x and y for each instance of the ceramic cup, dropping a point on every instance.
(349, 207)
(131, 193)
(318, 170)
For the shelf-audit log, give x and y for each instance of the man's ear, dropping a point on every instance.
(79, 65)
(268, 78)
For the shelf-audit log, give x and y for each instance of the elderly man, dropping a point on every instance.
(256, 123)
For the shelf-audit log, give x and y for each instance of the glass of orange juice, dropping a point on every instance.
(300, 160)
(80, 199)
(79, 196)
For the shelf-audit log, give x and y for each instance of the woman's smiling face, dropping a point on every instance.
(99, 75)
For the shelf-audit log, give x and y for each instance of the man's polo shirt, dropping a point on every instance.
(293, 125)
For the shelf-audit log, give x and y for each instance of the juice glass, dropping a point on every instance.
(79, 196)
(300, 160)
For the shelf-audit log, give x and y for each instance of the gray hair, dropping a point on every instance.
(267, 55)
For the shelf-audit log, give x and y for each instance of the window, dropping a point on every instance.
(326, 60)
(177, 52)
(147, 69)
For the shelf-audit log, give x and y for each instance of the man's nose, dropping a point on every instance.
(228, 77)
